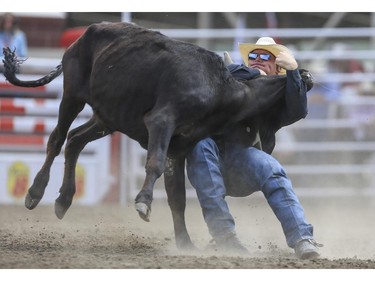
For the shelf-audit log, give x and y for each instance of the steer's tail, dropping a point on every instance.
(11, 66)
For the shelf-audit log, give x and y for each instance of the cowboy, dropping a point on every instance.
(217, 168)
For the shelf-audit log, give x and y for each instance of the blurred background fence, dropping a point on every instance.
(330, 153)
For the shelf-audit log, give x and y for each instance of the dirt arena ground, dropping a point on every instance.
(114, 237)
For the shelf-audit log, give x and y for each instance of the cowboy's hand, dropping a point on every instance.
(286, 60)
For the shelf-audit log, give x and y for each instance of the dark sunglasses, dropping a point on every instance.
(265, 57)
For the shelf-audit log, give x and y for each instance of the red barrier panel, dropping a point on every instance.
(22, 140)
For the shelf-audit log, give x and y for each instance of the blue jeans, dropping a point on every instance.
(238, 171)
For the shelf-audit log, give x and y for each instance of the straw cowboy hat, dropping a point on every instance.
(264, 43)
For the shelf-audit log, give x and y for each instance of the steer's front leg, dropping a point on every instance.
(160, 126)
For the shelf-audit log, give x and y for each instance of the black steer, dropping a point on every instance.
(163, 93)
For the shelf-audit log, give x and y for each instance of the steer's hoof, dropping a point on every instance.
(60, 209)
(61, 206)
(186, 246)
(31, 203)
(143, 210)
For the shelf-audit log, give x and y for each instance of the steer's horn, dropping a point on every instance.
(227, 59)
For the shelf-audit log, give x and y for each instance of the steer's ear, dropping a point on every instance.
(227, 59)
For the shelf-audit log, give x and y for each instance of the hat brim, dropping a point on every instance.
(246, 48)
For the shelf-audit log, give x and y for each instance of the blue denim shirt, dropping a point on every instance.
(16, 41)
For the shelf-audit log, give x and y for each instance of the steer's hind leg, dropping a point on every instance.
(174, 178)
(77, 140)
(68, 111)
(160, 125)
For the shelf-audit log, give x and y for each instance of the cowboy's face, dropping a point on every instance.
(8, 23)
(268, 66)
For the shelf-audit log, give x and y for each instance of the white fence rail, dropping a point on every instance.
(273, 32)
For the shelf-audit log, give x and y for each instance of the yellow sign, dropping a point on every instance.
(18, 179)
(80, 181)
